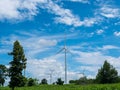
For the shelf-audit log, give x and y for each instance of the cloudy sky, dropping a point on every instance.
(92, 35)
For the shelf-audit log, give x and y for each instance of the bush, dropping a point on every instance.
(59, 82)
(44, 81)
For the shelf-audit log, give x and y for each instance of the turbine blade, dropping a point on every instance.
(60, 51)
(69, 51)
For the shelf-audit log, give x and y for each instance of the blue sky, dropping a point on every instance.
(92, 35)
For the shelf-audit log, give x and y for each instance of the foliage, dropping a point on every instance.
(32, 82)
(23, 81)
(3, 74)
(44, 81)
(118, 80)
(107, 74)
(59, 81)
(17, 65)
(81, 81)
(72, 81)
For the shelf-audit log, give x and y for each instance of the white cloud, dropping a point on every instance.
(26, 9)
(39, 43)
(107, 47)
(94, 58)
(75, 21)
(19, 9)
(47, 42)
(108, 10)
(65, 16)
(8, 9)
(81, 1)
(74, 75)
(91, 21)
(89, 68)
(99, 32)
(68, 18)
(4, 51)
(116, 33)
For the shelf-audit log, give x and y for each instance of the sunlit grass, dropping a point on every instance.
(69, 87)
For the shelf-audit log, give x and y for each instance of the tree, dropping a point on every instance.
(44, 81)
(73, 81)
(82, 80)
(17, 65)
(3, 74)
(59, 81)
(107, 74)
(32, 82)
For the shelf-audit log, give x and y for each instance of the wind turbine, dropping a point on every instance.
(65, 56)
(50, 74)
(83, 73)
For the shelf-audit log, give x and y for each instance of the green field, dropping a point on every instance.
(69, 87)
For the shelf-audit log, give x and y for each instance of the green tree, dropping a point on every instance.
(82, 80)
(44, 81)
(73, 81)
(59, 81)
(107, 74)
(3, 74)
(32, 82)
(17, 65)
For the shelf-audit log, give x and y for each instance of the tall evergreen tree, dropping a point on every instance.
(17, 65)
(107, 74)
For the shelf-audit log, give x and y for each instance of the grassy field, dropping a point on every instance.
(69, 87)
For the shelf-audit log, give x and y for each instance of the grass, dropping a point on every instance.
(69, 87)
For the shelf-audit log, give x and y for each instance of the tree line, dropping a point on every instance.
(16, 72)
(106, 74)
